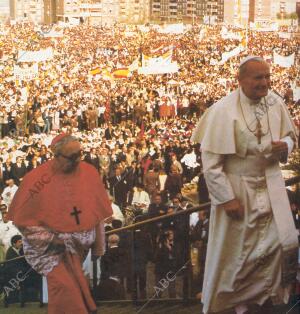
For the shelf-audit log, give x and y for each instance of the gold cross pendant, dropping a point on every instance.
(258, 132)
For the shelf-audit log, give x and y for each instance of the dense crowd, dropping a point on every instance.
(135, 131)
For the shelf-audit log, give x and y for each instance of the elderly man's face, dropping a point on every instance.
(69, 157)
(255, 81)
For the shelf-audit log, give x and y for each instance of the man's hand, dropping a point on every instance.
(57, 245)
(280, 150)
(234, 209)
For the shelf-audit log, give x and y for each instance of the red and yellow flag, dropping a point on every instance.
(121, 73)
(95, 71)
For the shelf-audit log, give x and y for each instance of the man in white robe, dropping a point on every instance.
(9, 192)
(7, 231)
(252, 246)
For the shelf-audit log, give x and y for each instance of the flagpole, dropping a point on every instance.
(246, 37)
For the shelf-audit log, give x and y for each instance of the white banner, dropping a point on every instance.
(284, 35)
(134, 65)
(53, 34)
(285, 62)
(296, 93)
(262, 27)
(225, 34)
(35, 56)
(26, 74)
(74, 21)
(232, 53)
(143, 29)
(130, 34)
(159, 69)
(166, 58)
(172, 29)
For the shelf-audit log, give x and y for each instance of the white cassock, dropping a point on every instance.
(8, 194)
(141, 198)
(253, 259)
(87, 268)
(117, 213)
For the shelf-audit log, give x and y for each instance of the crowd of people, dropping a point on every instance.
(135, 131)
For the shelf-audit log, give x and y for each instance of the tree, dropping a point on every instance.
(294, 16)
(281, 15)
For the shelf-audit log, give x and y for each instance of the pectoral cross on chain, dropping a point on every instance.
(76, 213)
(258, 132)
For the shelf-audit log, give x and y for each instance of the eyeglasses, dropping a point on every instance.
(72, 157)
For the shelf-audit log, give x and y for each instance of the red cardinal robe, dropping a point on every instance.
(62, 202)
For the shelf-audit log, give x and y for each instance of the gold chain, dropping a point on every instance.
(257, 119)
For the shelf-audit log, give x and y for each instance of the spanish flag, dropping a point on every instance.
(106, 75)
(121, 73)
(95, 71)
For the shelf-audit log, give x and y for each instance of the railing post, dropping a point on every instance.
(95, 277)
(187, 257)
(133, 271)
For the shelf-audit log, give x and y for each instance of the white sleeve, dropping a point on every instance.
(147, 199)
(290, 143)
(218, 185)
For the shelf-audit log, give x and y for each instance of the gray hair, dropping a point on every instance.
(57, 148)
(113, 239)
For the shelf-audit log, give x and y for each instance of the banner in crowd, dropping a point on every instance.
(285, 62)
(129, 34)
(35, 56)
(159, 69)
(202, 32)
(26, 74)
(284, 35)
(143, 29)
(231, 35)
(172, 29)
(73, 21)
(296, 93)
(161, 49)
(107, 52)
(232, 53)
(54, 34)
(165, 58)
(263, 27)
(95, 71)
(121, 73)
(106, 75)
(134, 65)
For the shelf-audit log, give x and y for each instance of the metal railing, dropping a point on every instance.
(184, 216)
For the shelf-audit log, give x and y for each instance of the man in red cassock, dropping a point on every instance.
(59, 209)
